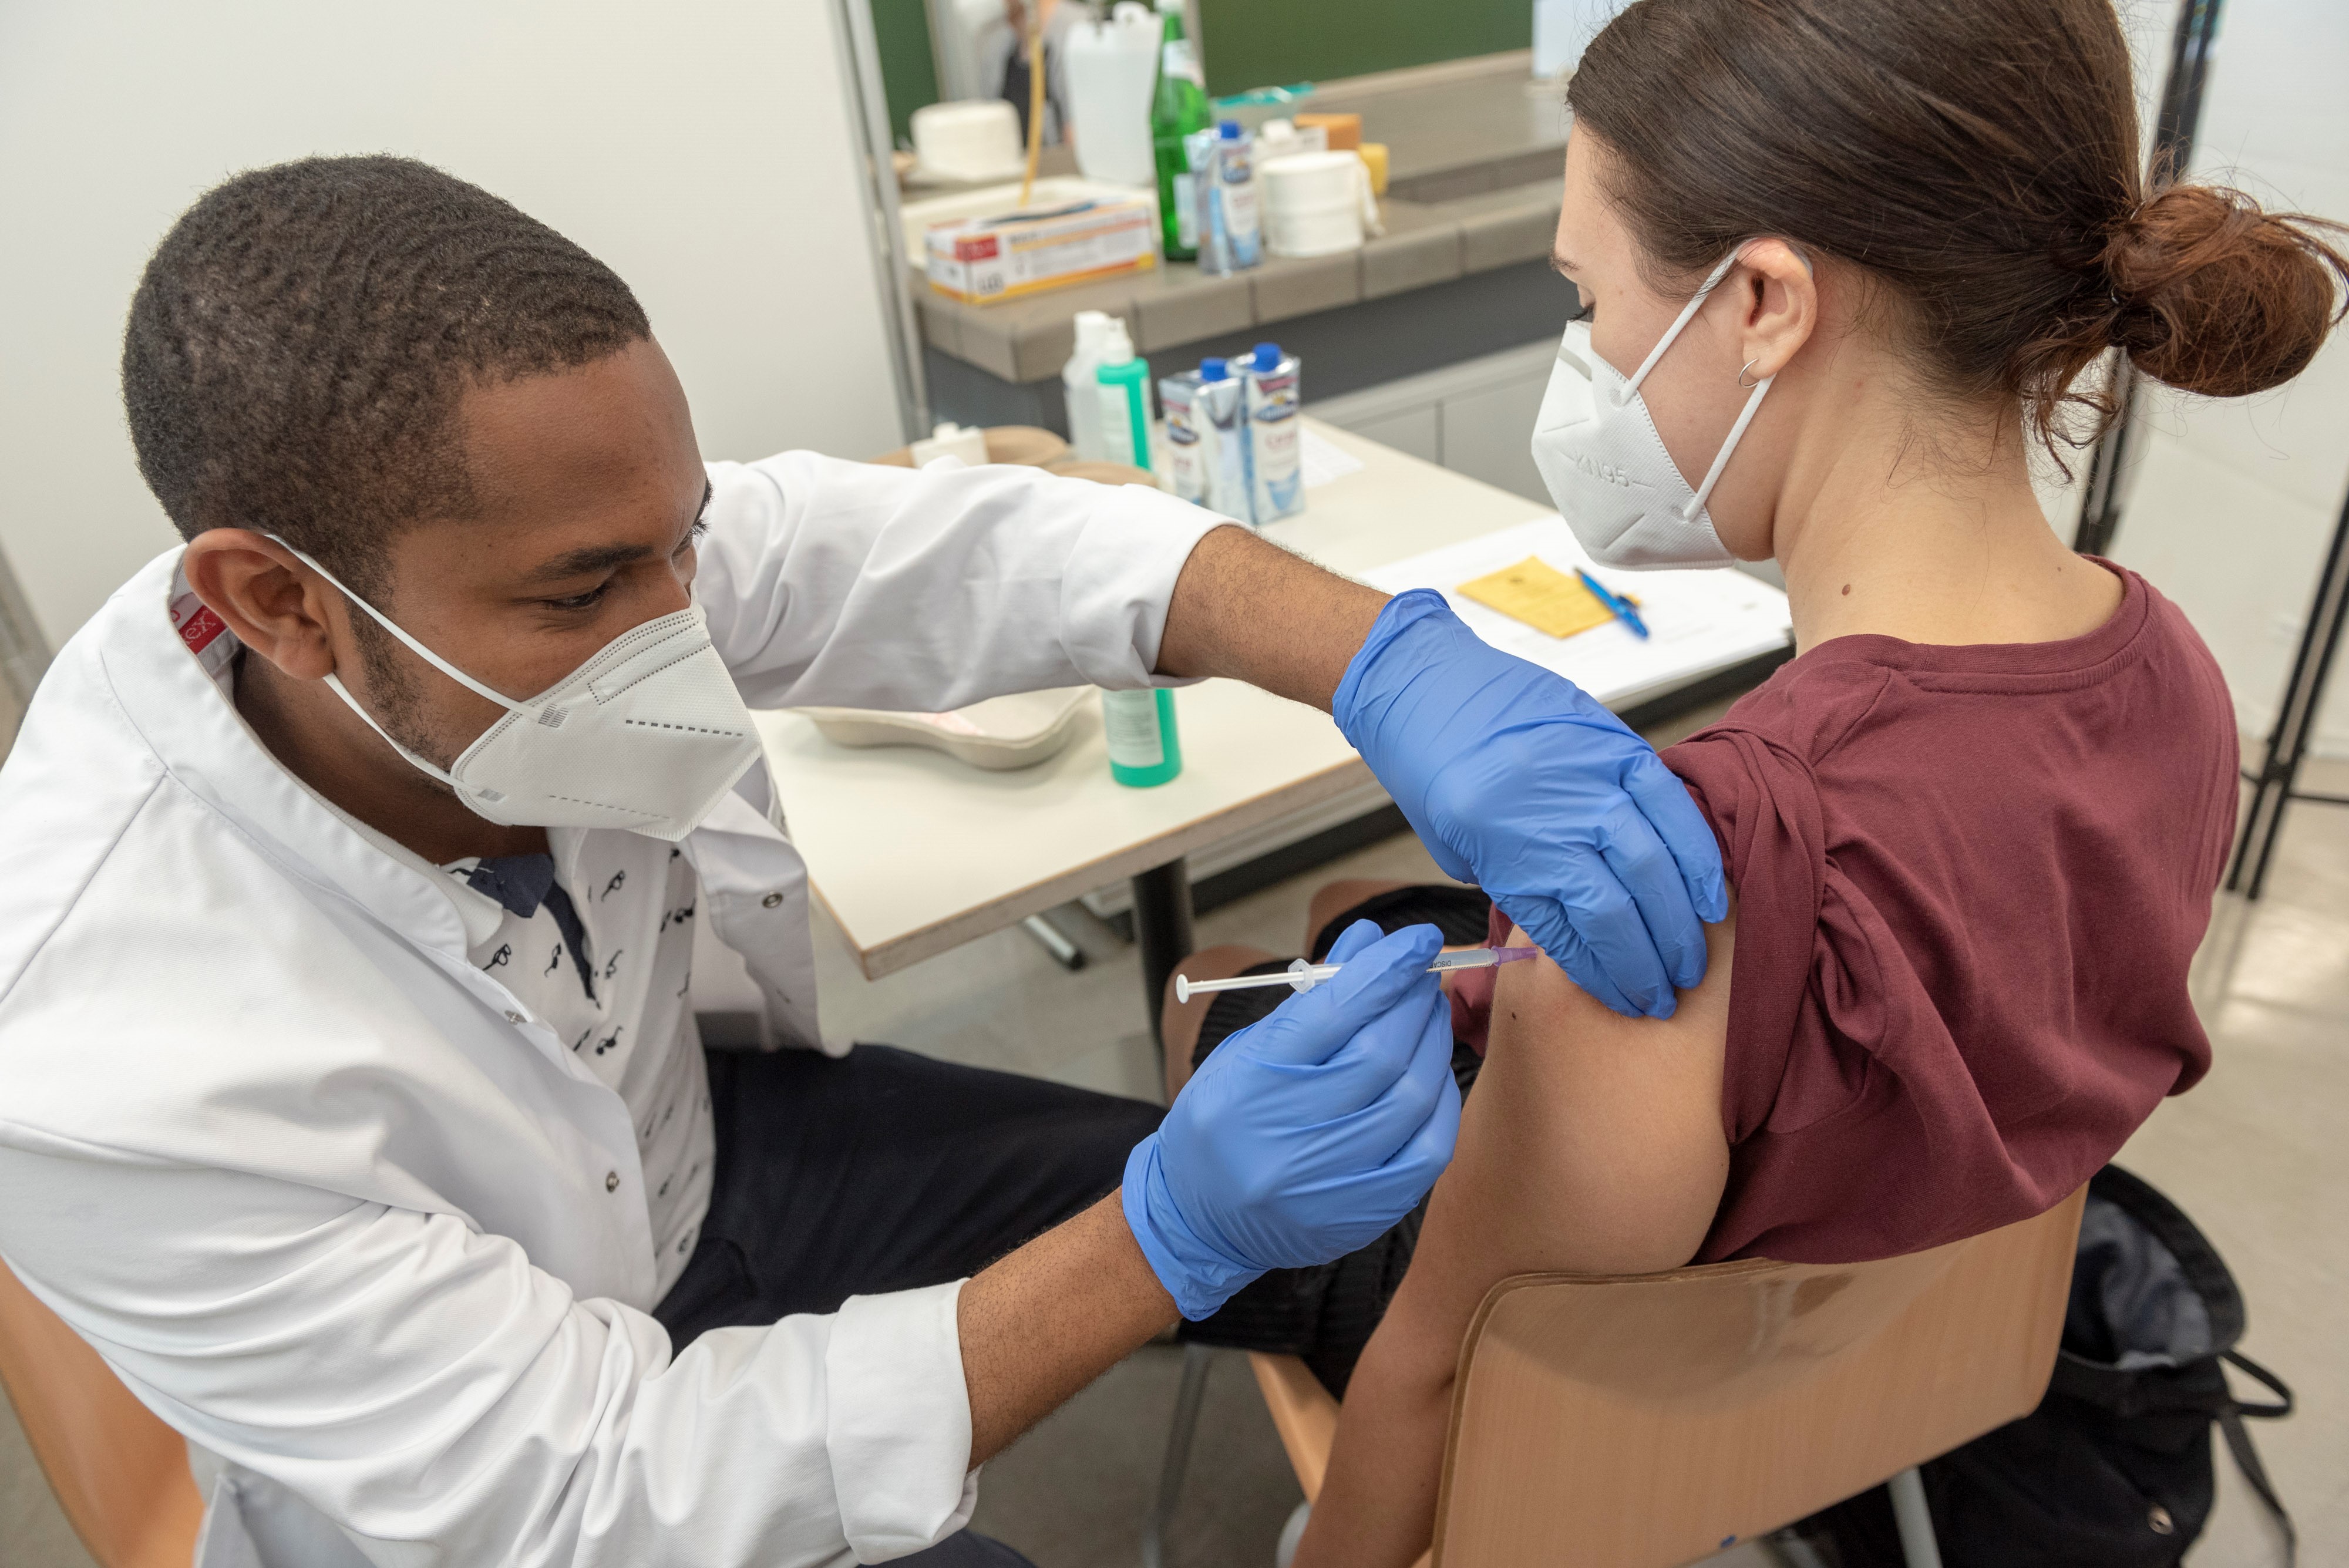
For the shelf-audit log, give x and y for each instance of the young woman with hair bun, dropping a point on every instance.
(1844, 263)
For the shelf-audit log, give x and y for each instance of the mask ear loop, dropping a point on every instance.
(1752, 404)
(1721, 459)
(334, 681)
(1687, 312)
(335, 684)
(385, 621)
(1745, 415)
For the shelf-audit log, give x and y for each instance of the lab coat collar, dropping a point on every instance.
(158, 673)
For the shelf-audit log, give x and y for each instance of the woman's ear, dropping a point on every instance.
(276, 608)
(1781, 301)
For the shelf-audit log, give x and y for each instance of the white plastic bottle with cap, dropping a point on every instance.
(1107, 72)
(1081, 391)
(966, 446)
(1122, 379)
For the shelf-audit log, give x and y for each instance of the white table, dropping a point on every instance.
(913, 853)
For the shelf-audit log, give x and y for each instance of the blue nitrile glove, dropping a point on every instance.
(1516, 781)
(1307, 1135)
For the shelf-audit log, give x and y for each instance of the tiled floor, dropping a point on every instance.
(2256, 1155)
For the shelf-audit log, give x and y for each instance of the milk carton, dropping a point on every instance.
(1269, 380)
(1222, 423)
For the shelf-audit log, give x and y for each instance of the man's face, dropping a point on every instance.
(588, 489)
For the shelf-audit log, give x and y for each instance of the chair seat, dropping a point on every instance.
(1649, 1421)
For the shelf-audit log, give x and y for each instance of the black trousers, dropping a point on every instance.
(883, 1170)
(1326, 1315)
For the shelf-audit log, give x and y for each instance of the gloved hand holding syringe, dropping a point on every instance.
(1302, 976)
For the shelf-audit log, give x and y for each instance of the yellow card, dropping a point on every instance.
(1539, 595)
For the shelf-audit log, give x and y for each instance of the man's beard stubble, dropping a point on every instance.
(394, 697)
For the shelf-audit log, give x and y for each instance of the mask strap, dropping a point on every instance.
(1687, 311)
(1713, 475)
(426, 654)
(335, 683)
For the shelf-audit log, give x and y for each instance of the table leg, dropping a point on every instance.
(1162, 931)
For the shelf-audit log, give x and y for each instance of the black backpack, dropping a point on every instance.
(2114, 1469)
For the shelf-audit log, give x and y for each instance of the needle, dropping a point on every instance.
(1302, 976)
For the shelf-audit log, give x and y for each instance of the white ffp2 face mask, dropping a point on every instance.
(648, 735)
(1607, 468)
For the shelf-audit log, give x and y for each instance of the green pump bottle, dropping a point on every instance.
(1177, 109)
(1143, 748)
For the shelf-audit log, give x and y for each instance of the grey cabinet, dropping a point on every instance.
(1475, 418)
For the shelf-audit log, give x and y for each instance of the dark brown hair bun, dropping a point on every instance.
(2213, 296)
(1980, 160)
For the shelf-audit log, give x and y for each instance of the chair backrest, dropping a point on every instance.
(1645, 1422)
(119, 1472)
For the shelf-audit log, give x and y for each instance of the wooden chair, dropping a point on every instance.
(1648, 1421)
(119, 1472)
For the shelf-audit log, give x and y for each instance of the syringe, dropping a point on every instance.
(1303, 976)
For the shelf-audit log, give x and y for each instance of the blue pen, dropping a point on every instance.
(1616, 605)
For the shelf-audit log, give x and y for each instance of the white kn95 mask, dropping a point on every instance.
(1607, 468)
(648, 734)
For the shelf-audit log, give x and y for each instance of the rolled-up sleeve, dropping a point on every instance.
(444, 1402)
(898, 1422)
(864, 586)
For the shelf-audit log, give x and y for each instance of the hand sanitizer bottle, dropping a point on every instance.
(1123, 396)
(1143, 749)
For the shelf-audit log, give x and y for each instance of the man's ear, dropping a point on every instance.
(277, 607)
(1780, 302)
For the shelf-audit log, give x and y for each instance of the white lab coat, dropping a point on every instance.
(335, 1206)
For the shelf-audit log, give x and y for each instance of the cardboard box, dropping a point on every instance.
(1010, 255)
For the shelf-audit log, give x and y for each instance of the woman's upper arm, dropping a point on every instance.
(1593, 1143)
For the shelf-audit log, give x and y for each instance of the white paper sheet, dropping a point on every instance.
(1699, 622)
(1323, 460)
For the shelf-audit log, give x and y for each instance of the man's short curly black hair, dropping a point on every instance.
(301, 339)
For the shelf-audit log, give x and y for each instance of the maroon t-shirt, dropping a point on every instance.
(1970, 881)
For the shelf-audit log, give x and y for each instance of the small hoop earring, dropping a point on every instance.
(1748, 366)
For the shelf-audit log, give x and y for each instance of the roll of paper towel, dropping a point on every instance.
(972, 138)
(1313, 202)
(1112, 67)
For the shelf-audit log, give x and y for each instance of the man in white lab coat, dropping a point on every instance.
(351, 1099)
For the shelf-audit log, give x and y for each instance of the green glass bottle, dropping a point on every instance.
(1178, 108)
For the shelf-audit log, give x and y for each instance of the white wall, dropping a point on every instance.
(2232, 503)
(703, 149)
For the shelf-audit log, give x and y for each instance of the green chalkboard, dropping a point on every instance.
(1266, 43)
(909, 77)
(1256, 43)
